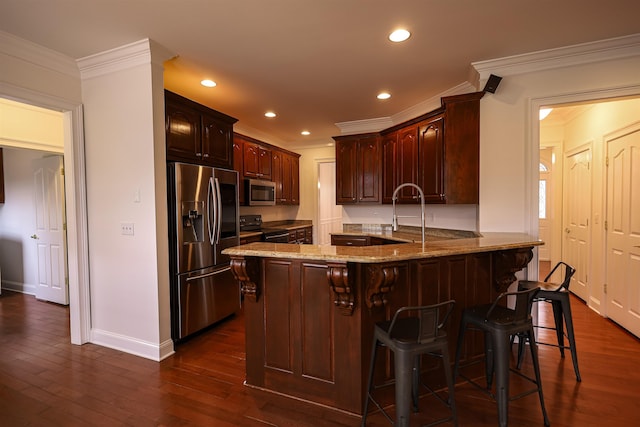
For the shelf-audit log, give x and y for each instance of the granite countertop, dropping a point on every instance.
(406, 234)
(288, 224)
(388, 253)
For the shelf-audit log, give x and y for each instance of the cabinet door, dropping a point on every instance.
(277, 172)
(264, 163)
(368, 170)
(294, 179)
(431, 159)
(407, 163)
(257, 161)
(346, 162)
(216, 142)
(237, 166)
(182, 127)
(389, 169)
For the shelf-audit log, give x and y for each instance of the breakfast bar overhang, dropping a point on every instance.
(310, 310)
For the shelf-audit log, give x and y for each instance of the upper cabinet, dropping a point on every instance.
(197, 134)
(358, 169)
(285, 173)
(438, 151)
(255, 159)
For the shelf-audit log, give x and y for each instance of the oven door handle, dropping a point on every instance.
(276, 236)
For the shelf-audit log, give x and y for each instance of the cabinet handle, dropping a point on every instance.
(198, 154)
(205, 156)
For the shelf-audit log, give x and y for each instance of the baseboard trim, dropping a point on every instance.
(137, 347)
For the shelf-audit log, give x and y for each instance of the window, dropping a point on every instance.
(542, 202)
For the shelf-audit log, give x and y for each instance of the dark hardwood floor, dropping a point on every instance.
(46, 381)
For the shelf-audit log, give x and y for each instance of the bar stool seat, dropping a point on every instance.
(499, 323)
(421, 333)
(558, 296)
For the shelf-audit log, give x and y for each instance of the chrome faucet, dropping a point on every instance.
(394, 220)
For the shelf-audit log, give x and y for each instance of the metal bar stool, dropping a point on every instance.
(410, 337)
(558, 296)
(499, 323)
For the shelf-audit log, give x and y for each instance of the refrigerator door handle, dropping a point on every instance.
(202, 276)
(218, 212)
(212, 211)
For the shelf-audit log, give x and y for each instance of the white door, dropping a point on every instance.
(576, 247)
(329, 214)
(50, 235)
(623, 231)
(545, 207)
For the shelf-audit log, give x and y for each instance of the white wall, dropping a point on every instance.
(506, 137)
(18, 257)
(126, 183)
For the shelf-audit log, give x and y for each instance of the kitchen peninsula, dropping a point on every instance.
(310, 309)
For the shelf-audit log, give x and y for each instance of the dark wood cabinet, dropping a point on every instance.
(439, 151)
(358, 169)
(301, 235)
(431, 158)
(238, 166)
(400, 164)
(256, 161)
(349, 240)
(197, 134)
(286, 175)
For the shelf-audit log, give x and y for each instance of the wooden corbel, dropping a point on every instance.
(246, 272)
(338, 277)
(506, 264)
(380, 280)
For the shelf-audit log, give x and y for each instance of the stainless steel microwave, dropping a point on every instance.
(260, 193)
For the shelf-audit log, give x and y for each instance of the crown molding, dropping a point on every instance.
(380, 123)
(364, 126)
(131, 55)
(37, 55)
(603, 50)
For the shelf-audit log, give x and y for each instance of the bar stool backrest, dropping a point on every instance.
(431, 320)
(568, 273)
(521, 312)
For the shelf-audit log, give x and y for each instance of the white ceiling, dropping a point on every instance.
(317, 62)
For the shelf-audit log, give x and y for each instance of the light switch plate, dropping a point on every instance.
(126, 228)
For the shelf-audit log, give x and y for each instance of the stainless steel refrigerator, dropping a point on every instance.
(203, 209)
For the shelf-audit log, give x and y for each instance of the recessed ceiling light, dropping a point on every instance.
(384, 95)
(208, 83)
(305, 133)
(399, 35)
(270, 114)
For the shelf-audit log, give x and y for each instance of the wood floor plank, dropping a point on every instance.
(44, 380)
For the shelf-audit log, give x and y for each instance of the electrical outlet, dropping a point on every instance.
(126, 228)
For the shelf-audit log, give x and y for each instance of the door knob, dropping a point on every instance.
(566, 230)
(34, 236)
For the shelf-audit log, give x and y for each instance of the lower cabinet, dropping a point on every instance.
(342, 240)
(301, 235)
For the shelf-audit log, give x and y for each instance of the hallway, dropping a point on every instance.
(44, 380)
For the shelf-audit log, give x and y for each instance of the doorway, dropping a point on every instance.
(75, 195)
(583, 132)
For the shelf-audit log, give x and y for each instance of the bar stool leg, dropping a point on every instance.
(374, 350)
(450, 384)
(501, 353)
(536, 368)
(403, 368)
(489, 357)
(566, 309)
(558, 319)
